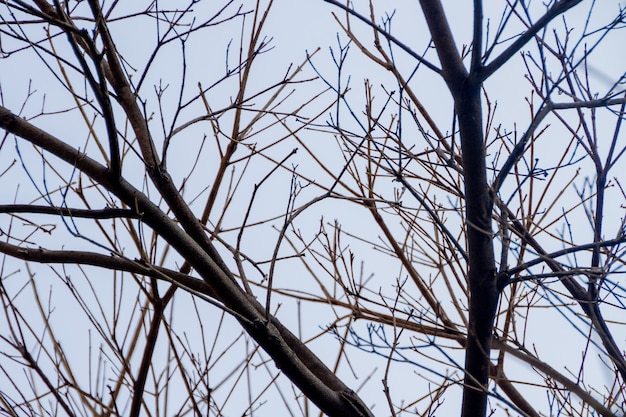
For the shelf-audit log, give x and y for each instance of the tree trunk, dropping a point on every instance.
(483, 293)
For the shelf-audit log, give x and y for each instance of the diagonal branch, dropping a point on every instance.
(452, 68)
(113, 262)
(387, 35)
(518, 150)
(557, 9)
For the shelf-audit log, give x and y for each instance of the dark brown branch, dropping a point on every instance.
(139, 385)
(557, 9)
(102, 92)
(518, 150)
(105, 213)
(111, 262)
(477, 38)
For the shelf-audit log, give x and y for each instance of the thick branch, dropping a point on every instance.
(105, 213)
(477, 38)
(557, 9)
(553, 255)
(112, 262)
(452, 68)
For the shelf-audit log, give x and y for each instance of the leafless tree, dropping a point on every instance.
(191, 210)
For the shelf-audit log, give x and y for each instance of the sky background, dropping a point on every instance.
(293, 29)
